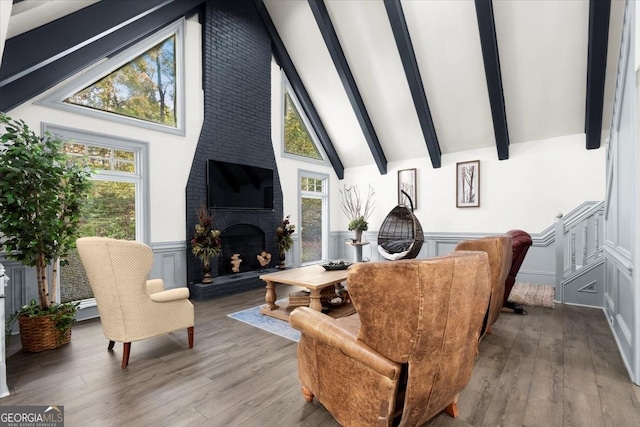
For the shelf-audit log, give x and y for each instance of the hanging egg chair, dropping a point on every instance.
(400, 235)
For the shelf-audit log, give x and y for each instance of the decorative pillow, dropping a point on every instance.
(397, 246)
(391, 256)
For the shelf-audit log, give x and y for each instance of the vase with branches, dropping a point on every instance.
(206, 242)
(358, 209)
(284, 240)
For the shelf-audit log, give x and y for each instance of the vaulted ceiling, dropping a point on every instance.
(393, 80)
(437, 77)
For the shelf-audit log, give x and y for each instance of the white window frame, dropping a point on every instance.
(286, 88)
(56, 98)
(324, 196)
(140, 177)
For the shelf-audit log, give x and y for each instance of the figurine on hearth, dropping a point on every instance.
(264, 258)
(235, 263)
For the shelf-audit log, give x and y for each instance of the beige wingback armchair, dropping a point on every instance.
(498, 248)
(131, 307)
(410, 349)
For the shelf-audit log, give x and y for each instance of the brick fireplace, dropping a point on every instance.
(236, 129)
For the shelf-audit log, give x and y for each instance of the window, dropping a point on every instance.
(144, 88)
(314, 218)
(115, 204)
(141, 86)
(299, 139)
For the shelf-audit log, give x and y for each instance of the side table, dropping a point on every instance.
(357, 248)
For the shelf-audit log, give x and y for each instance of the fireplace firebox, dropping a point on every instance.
(244, 239)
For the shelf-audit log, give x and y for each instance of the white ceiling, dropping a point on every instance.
(543, 57)
(29, 14)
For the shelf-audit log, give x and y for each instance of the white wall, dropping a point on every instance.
(287, 167)
(170, 155)
(5, 14)
(539, 180)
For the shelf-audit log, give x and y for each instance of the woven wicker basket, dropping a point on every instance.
(39, 334)
(328, 293)
(299, 299)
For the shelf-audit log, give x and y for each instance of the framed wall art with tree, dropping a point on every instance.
(407, 185)
(468, 184)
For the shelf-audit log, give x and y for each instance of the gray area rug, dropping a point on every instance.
(527, 294)
(251, 316)
(533, 295)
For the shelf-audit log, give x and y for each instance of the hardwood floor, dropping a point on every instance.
(556, 367)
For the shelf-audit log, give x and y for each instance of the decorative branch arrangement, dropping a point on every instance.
(283, 235)
(357, 209)
(206, 242)
(284, 240)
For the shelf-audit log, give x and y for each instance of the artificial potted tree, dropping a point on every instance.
(41, 195)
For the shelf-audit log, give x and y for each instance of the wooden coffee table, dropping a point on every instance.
(313, 277)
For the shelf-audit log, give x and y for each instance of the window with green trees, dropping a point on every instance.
(110, 210)
(144, 88)
(297, 139)
(313, 217)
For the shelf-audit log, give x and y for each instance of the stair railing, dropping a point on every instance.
(581, 230)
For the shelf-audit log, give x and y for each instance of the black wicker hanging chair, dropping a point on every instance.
(400, 235)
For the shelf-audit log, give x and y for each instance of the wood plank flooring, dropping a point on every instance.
(557, 367)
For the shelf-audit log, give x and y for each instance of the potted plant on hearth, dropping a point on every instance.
(41, 195)
(206, 242)
(284, 240)
(357, 210)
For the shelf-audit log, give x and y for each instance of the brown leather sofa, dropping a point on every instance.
(521, 241)
(410, 349)
(498, 248)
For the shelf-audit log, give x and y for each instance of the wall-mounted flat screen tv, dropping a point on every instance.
(236, 186)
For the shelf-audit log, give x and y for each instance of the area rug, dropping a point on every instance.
(251, 316)
(533, 295)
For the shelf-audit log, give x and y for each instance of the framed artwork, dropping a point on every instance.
(407, 183)
(468, 184)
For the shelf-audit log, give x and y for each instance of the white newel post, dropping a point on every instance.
(559, 242)
(4, 390)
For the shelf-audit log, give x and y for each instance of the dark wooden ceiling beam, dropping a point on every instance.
(283, 58)
(63, 57)
(599, 12)
(54, 39)
(412, 72)
(489, 44)
(330, 37)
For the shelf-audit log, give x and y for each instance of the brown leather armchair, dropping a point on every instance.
(521, 241)
(410, 349)
(498, 248)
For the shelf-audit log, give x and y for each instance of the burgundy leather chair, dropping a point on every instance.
(521, 240)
